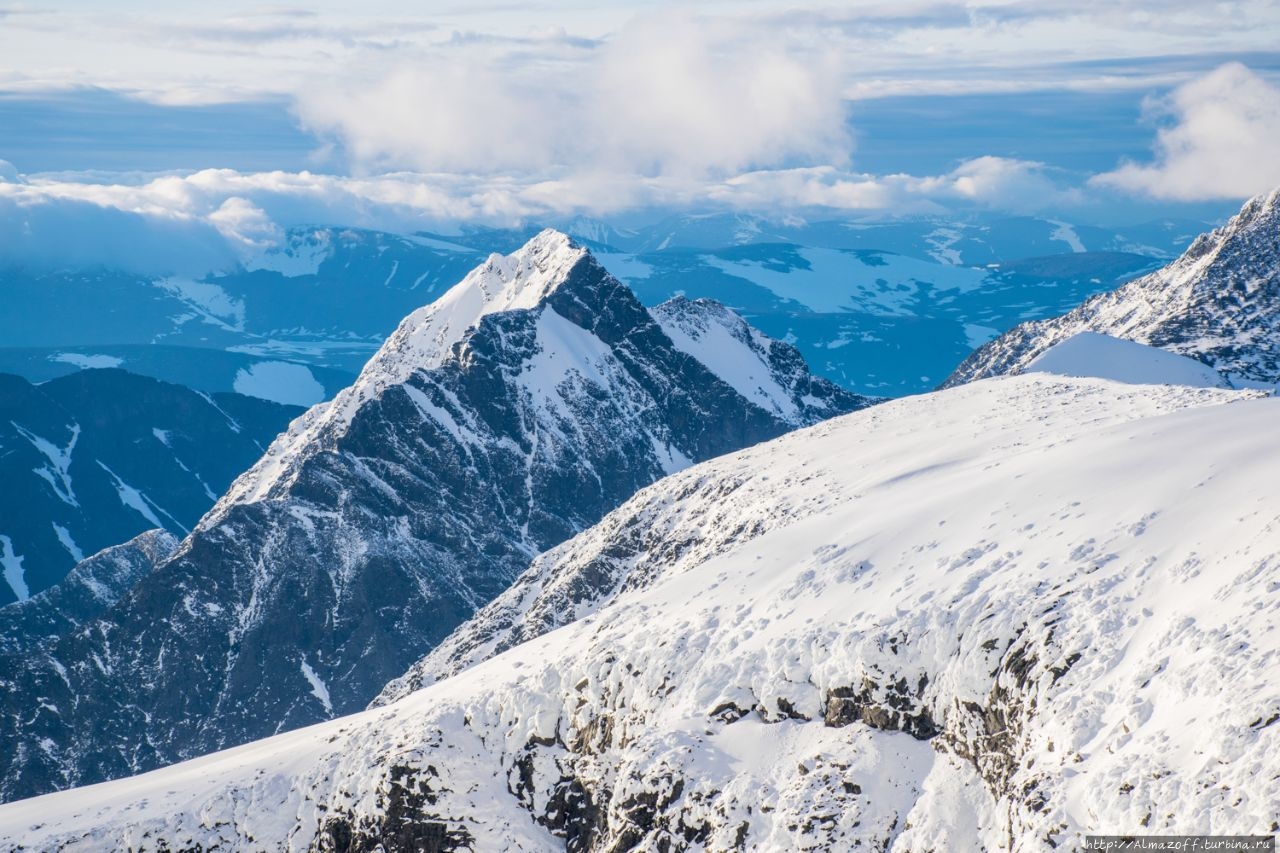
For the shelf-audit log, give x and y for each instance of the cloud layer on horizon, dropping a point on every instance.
(215, 219)
(181, 51)
(558, 108)
(729, 122)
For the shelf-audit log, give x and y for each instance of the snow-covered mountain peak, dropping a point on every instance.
(519, 280)
(1262, 206)
(514, 412)
(523, 279)
(594, 312)
(423, 340)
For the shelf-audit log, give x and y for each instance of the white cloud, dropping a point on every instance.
(438, 115)
(674, 95)
(1000, 182)
(984, 182)
(669, 95)
(1224, 142)
(241, 221)
(183, 51)
(214, 219)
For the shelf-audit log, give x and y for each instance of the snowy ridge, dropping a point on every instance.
(1219, 303)
(422, 341)
(93, 586)
(731, 349)
(987, 618)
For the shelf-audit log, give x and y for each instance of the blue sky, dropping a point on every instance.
(407, 114)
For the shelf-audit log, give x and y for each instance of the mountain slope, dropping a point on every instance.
(502, 419)
(1218, 303)
(989, 618)
(95, 458)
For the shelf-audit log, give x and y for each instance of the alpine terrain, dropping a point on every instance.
(509, 415)
(992, 617)
(1219, 303)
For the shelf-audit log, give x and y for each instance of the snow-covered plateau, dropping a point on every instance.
(994, 617)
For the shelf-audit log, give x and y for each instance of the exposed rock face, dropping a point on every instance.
(92, 459)
(994, 618)
(1219, 303)
(530, 400)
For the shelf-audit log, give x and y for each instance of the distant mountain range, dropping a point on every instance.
(884, 308)
(494, 423)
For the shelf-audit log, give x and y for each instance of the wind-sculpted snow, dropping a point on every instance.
(994, 617)
(512, 414)
(1219, 303)
(1101, 356)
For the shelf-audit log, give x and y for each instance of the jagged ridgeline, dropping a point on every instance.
(1219, 303)
(531, 399)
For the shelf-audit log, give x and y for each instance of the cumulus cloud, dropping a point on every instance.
(1223, 143)
(668, 95)
(682, 96)
(460, 115)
